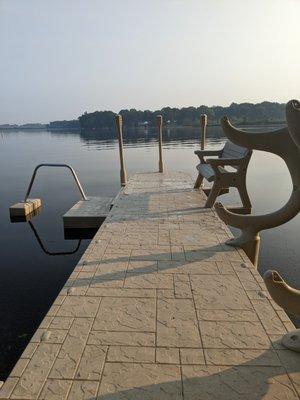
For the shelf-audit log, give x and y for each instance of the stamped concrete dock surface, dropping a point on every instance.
(160, 308)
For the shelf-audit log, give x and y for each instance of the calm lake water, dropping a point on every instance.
(31, 275)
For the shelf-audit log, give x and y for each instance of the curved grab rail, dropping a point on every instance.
(55, 165)
(49, 253)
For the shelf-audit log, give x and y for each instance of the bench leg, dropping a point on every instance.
(198, 182)
(242, 189)
(214, 192)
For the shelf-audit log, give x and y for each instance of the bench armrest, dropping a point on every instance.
(221, 162)
(204, 153)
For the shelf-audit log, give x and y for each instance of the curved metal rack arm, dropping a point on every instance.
(55, 165)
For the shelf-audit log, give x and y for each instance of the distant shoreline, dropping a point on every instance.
(46, 128)
(21, 128)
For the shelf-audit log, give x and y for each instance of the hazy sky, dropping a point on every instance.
(59, 58)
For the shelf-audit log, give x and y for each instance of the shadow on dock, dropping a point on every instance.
(252, 380)
(177, 262)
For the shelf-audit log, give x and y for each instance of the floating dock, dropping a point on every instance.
(160, 308)
(88, 213)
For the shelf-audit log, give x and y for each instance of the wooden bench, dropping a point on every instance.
(216, 170)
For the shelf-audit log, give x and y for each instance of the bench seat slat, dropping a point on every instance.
(207, 172)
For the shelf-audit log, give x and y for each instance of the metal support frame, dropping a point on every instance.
(55, 165)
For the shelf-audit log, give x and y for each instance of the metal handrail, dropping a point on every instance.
(55, 165)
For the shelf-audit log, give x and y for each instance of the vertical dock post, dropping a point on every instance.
(203, 124)
(159, 126)
(123, 175)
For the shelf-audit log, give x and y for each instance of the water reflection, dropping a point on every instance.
(52, 253)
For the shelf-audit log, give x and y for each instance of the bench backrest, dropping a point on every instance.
(232, 150)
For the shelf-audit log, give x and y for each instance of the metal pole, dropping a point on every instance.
(159, 125)
(123, 175)
(203, 124)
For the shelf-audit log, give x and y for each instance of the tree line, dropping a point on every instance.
(244, 113)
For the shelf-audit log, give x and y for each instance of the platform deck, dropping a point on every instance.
(160, 308)
(88, 213)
